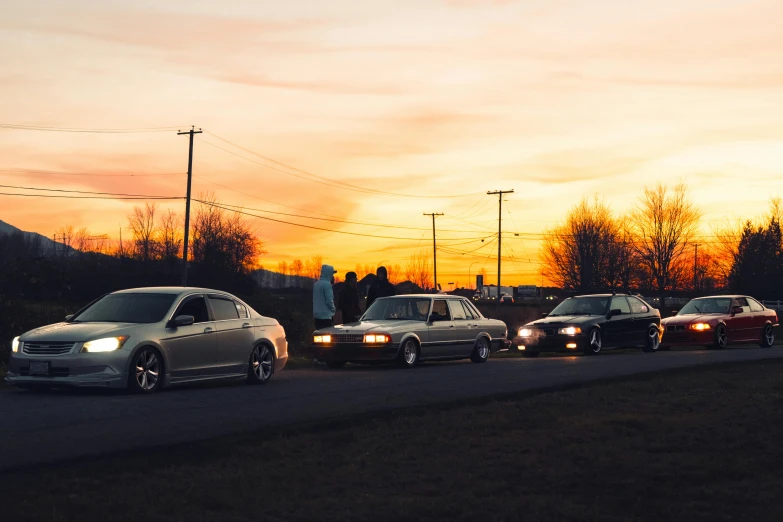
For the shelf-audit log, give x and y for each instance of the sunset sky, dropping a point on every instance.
(434, 98)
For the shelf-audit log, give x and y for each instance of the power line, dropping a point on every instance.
(35, 172)
(88, 192)
(88, 197)
(339, 220)
(314, 178)
(311, 227)
(13, 126)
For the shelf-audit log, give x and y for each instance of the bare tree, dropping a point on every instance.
(297, 268)
(313, 267)
(170, 236)
(664, 224)
(144, 229)
(419, 270)
(395, 273)
(223, 241)
(587, 251)
(65, 237)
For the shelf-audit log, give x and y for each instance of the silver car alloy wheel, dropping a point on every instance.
(595, 341)
(722, 336)
(147, 369)
(409, 352)
(655, 339)
(262, 362)
(769, 335)
(483, 348)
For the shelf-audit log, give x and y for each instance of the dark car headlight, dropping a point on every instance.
(570, 330)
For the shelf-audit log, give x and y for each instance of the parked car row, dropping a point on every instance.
(148, 338)
(593, 323)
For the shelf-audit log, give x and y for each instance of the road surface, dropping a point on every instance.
(44, 428)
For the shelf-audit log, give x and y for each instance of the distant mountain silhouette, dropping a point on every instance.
(48, 246)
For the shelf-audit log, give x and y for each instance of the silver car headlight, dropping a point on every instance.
(107, 344)
(570, 330)
(16, 345)
(525, 332)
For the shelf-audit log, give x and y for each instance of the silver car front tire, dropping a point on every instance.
(409, 354)
(146, 371)
(261, 365)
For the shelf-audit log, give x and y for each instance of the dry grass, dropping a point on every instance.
(699, 445)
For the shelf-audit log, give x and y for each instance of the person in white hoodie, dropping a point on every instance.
(323, 298)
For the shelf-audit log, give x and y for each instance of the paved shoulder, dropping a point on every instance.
(38, 428)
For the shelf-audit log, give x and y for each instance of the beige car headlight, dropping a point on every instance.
(107, 344)
(320, 339)
(16, 345)
(377, 338)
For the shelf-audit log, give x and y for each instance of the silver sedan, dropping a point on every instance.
(412, 328)
(145, 339)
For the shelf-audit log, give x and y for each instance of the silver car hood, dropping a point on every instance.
(72, 332)
(377, 326)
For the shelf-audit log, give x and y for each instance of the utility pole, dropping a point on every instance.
(695, 267)
(499, 194)
(434, 249)
(191, 133)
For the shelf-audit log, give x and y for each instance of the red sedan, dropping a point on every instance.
(719, 320)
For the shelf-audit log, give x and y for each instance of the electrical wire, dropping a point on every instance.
(14, 126)
(311, 227)
(33, 172)
(314, 178)
(89, 192)
(88, 197)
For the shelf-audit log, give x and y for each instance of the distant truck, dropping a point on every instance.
(491, 292)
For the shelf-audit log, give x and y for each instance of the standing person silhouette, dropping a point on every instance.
(381, 287)
(348, 302)
(323, 298)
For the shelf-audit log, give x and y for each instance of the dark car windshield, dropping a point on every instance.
(402, 308)
(582, 306)
(712, 305)
(127, 308)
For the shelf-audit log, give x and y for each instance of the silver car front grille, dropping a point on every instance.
(32, 348)
(347, 338)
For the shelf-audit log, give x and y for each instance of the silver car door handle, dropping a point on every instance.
(247, 325)
(208, 330)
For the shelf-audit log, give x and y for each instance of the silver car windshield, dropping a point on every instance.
(399, 308)
(715, 305)
(581, 306)
(127, 308)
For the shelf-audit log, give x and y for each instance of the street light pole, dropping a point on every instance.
(471, 266)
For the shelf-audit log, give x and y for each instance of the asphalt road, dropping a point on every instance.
(42, 428)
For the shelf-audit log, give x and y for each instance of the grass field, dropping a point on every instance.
(697, 445)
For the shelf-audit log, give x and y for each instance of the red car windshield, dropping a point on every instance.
(711, 305)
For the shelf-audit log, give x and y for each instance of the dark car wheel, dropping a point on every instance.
(409, 354)
(146, 371)
(594, 342)
(721, 339)
(335, 364)
(767, 336)
(261, 365)
(653, 340)
(480, 351)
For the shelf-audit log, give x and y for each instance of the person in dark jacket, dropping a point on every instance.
(381, 287)
(348, 302)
